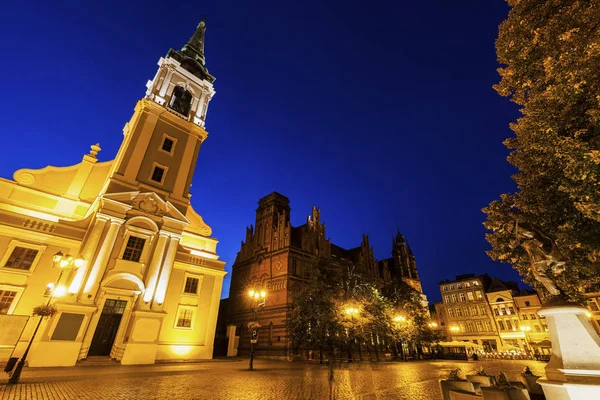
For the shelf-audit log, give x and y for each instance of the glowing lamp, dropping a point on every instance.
(57, 257)
(59, 291)
(263, 294)
(251, 293)
(79, 262)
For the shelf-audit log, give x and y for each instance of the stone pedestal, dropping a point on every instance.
(574, 368)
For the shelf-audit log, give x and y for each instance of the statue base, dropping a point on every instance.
(573, 371)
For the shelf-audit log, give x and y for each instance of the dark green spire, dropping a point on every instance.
(194, 48)
(191, 56)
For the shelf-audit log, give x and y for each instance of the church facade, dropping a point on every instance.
(149, 287)
(276, 257)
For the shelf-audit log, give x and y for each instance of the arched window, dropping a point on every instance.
(181, 100)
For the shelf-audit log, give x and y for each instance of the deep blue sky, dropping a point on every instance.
(381, 113)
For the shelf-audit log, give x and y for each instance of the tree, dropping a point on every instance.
(413, 326)
(313, 321)
(550, 51)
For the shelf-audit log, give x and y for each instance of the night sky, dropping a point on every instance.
(381, 113)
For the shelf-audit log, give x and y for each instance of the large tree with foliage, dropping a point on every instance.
(550, 52)
(313, 321)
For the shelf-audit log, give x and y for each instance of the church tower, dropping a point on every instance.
(163, 138)
(149, 281)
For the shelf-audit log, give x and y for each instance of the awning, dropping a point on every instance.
(543, 343)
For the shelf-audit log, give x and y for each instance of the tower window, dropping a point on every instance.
(181, 100)
(133, 250)
(158, 174)
(168, 145)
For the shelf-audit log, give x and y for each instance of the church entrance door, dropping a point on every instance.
(107, 328)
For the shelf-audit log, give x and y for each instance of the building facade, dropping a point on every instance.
(465, 312)
(535, 328)
(150, 285)
(277, 257)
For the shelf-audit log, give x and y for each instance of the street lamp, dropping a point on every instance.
(454, 328)
(432, 325)
(255, 296)
(353, 312)
(52, 291)
(399, 318)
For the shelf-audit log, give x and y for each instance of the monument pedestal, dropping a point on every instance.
(573, 371)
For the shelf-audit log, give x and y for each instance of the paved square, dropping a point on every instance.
(232, 380)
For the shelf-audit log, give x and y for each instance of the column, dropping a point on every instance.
(165, 273)
(88, 252)
(106, 248)
(154, 267)
(165, 84)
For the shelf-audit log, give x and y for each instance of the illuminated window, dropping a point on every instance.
(459, 286)
(454, 298)
(21, 258)
(184, 318)
(133, 250)
(475, 283)
(158, 174)
(467, 284)
(167, 145)
(191, 285)
(181, 100)
(6, 299)
(479, 295)
(470, 296)
(445, 288)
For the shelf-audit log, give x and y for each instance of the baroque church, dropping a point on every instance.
(276, 257)
(147, 281)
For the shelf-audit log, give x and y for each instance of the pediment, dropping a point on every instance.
(148, 203)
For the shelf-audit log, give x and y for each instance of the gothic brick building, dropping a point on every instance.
(277, 257)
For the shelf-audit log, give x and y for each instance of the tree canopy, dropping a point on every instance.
(342, 308)
(550, 56)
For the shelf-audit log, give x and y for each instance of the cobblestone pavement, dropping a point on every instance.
(232, 380)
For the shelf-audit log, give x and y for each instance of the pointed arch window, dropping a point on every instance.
(181, 100)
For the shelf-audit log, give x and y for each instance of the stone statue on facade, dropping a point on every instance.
(544, 257)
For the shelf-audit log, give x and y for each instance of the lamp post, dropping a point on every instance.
(259, 298)
(399, 319)
(352, 312)
(53, 290)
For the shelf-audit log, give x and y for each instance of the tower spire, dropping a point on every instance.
(194, 48)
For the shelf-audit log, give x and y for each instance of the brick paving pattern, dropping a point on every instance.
(232, 380)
